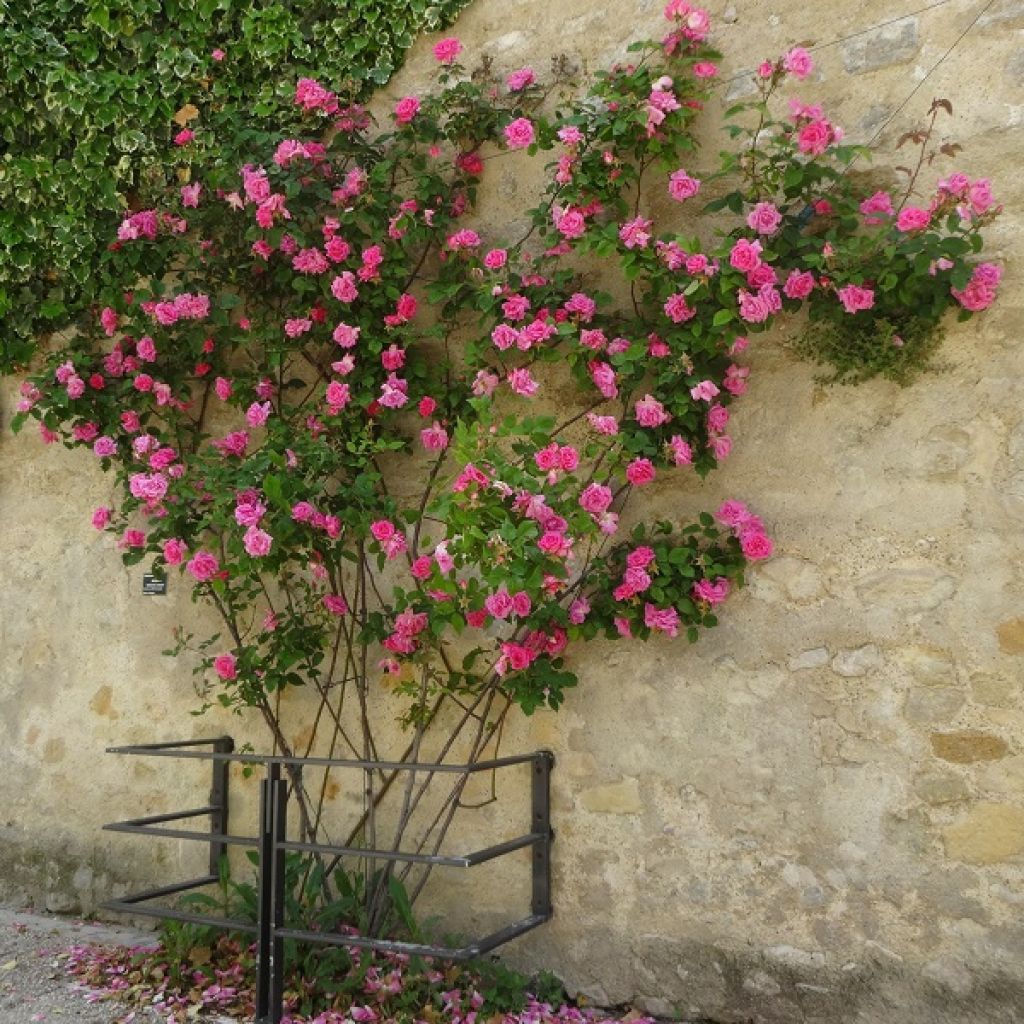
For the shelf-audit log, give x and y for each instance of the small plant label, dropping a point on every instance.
(153, 585)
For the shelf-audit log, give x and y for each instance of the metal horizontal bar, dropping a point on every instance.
(384, 945)
(500, 849)
(466, 860)
(152, 819)
(169, 890)
(167, 750)
(229, 924)
(173, 833)
(506, 934)
(182, 743)
(394, 855)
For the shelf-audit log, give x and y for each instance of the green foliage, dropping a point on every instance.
(89, 92)
(191, 958)
(909, 253)
(856, 352)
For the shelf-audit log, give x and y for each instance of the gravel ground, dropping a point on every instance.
(33, 983)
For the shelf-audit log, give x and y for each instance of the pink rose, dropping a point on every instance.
(174, 551)
(677, 309)
(499, 604)
(704, 391)
(434, 438)
(519, 133)
(335, 604)
(382, 530)
(596, 499)
(855, 298)
(101, 517)
(406, 109)
(226, 666)
(745, 255)
(520, 79)
(682, 453)
(257, 542)
(798, 63)
(640, 472)
(876, 208)
(650, 412)
(814, 138)
(799, 284)
(343, 287)
(913, 218)
(447, 50)
(714, 593)
(665, 620)
(202, 565)
(756, 546)
(764, 218)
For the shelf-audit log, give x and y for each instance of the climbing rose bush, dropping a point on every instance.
(381, 440)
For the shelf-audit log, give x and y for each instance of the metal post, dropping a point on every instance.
(280, 798)
(541, 823)
(219, 801)
(266, 892)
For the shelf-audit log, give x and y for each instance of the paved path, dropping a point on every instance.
(33, 984)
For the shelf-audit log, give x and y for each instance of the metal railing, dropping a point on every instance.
(272, 844)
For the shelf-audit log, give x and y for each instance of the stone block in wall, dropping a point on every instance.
(891, 44)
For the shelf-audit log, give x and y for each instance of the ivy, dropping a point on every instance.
(90, 90)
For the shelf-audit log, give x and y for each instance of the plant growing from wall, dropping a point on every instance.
(90, 92)
(394, 455)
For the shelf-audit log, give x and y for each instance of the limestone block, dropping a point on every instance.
(991, 833)
(950, 974)
(790, 956)
(1004, 14)
(967, 746)
(910, 589)
(817, 657)
(614, 798)
(759, 983)
(998, 691)
(798, 580)
(928, 705)
(892, 44)
(936, 789)
(858, 661)
(1010, 635)
(929, 666)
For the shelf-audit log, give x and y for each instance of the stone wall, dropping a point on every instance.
(815, 814)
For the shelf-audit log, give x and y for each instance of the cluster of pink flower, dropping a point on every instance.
(756, 306)
(597, 499)
(554, 541)
(310, 95)
(660, 103)
(980, 292)
(636, 579)
(389, 537)
(814, 132)
(748, 529)
(501, 604)
(305, 512)
(143, 224)
(184, 306)
(515, 656)
(290, 150)
(691, 25)
(403, 639)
